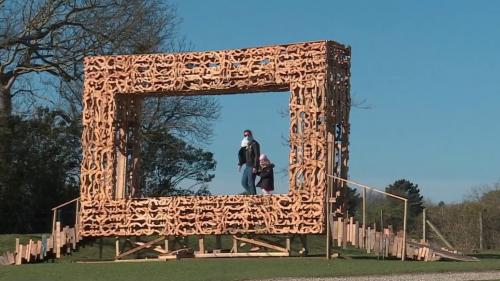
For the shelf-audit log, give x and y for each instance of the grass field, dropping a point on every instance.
(351, 262)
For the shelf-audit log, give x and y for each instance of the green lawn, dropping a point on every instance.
(230, 269)
(351, 262)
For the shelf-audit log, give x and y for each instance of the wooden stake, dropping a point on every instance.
(423, 225)
(481, 230)
(364, 216)
(57, 243)
(77, 220)
(404, 230)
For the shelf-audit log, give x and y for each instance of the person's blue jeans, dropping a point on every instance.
(248, 180)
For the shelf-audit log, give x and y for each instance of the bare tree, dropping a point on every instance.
(51, 37)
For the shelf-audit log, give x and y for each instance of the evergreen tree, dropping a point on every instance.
(395, 208)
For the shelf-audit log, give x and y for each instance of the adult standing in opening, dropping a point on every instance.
(248, 155)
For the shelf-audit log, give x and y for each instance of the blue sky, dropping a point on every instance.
(428, 69)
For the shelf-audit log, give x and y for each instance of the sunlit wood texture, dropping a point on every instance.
(112, 82)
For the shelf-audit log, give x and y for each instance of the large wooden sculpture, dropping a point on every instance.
(315, 73)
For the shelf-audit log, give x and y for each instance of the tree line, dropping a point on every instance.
(470, 225)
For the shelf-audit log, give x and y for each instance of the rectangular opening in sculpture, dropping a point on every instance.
(193, 145)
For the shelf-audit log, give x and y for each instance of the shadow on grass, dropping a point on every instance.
(486, 256)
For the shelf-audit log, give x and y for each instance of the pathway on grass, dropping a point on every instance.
(460, 276)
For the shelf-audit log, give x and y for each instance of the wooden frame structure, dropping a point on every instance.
(315, 73)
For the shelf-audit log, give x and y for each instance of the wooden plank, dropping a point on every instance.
(345, 235)
(67, 239)
(43, 252)
(39, 249)
(335, 231)
(74, 237)
(368, 241)
(11, 258)
(77, 221)
(356, 234)
(349, 231)
(50, 244)
(260, 243)
(28, 251)
(232, 255)
(353, 228)
(156, 248)
(340, 227)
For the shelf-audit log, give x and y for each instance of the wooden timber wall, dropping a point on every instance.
(61, 241)
(386, 243)
(315, 73)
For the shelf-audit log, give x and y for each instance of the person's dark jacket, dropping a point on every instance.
(250, 155)
(266, 178)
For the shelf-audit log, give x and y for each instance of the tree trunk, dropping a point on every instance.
(5, 113)
(5, 105)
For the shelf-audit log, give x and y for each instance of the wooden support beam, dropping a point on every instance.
(232, 255)
(234, 249)
(201, 244)
(261, 244)
(156, 248)
(117, 247)
(167, 248)
(145, 245)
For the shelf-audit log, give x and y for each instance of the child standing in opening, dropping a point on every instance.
(266, 173)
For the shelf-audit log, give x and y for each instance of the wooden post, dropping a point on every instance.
(57, 244)
(19, 257)
(481, 230)
(364, 215)
(77, 221)
(17, 247)
(403, 255)
(53, 222)
(201, 244)
(423, 225)
(167, 248)
(381, 233)
(329, 188)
